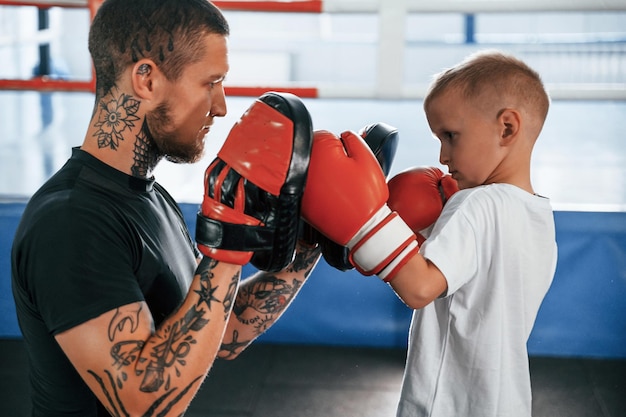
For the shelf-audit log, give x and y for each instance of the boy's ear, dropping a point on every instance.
(510, 122)
(143, 78)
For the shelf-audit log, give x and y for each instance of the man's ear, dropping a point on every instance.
(143, 78)
(510, 123)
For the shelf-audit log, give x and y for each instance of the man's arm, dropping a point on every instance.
(262, 299)
(137, 370)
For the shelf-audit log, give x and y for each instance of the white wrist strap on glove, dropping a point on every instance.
(382, 245)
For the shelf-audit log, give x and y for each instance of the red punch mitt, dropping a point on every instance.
(254, 188)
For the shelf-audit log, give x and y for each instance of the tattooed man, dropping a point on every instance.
(120, 313)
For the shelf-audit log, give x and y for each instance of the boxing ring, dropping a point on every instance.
(392, 26)
(584, 313)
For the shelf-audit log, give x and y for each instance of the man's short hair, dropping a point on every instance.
(166, 31)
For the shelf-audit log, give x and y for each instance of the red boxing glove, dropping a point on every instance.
(418, 196)
(382, 139)
(345, 200)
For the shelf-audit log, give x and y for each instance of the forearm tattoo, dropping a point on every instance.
(262, 300)
(305, 260)
(230, 296)
(162, 360)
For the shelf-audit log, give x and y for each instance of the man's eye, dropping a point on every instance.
(216, 83)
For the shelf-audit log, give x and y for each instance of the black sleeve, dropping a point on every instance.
(80, 263)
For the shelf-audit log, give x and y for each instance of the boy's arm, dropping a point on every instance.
(418, 195)
(347, 199)
(419, 282)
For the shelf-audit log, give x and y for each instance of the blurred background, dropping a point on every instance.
(339, 349)
(363, 62)
(355, 63)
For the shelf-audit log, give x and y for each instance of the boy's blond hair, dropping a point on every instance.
(496, 77)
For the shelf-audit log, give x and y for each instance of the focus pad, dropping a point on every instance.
(270, 148)
(382, 139)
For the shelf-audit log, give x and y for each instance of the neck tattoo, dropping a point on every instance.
(145, 155)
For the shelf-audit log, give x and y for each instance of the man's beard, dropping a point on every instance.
(167, 144)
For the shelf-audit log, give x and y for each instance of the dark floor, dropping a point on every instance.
(306, 381)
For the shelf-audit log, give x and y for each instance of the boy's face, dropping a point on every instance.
(469, 134)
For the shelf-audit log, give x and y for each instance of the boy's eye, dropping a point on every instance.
(448, 136)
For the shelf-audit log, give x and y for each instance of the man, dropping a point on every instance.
(119, 312)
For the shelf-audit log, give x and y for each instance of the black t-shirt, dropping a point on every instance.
(90, 240)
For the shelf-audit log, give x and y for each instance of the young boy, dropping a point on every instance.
(478, 280)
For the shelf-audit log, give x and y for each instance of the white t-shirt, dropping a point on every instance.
(467, 356)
